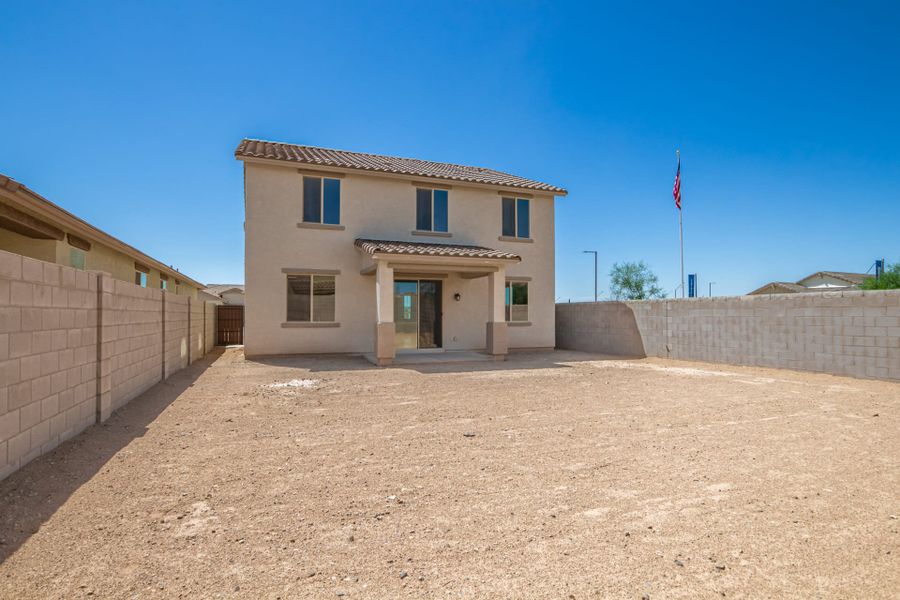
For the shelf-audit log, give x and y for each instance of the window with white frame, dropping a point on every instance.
(516, 217)
(321, 200)
(431, 210)
(310, 298)
(516, 300)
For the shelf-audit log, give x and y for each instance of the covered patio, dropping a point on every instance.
(394, 261)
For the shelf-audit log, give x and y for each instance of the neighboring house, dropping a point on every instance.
(227, 293)
(823, 281)
(31, 225)
(208, 297)
(360, 253)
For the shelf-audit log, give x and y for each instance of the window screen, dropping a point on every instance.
(423, 209)
(440, 210)
(312, 199)
(331, 205)
(509, 217)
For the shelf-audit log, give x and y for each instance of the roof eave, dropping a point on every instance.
(31, 200)
(375, 173)
(780, 284)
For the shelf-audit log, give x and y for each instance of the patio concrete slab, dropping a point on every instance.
(436, 358)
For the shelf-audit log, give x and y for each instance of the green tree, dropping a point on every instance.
(889, 280)
(634, 281)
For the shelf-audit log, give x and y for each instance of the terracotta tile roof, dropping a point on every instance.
(431, 249)
(344, 159)
(785, 287)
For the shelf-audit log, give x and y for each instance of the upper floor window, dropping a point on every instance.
(140, 275)
(310, 298)
(163, 282)
(516, 217)
(516, 301)
(321, 200)
(431, 210)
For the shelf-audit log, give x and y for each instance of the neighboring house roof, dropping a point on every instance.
(217, 289)
(206, 296)
(386, 164)
(780, 287)
(57, 216)
(431, 249)
(783, 287)
(851, 278)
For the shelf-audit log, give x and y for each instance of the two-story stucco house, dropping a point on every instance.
(358, 253)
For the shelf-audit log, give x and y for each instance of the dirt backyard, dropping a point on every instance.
(553, 475)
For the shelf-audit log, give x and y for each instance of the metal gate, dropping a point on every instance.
(229, 325)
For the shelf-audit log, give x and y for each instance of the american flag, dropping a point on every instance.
(676, 191)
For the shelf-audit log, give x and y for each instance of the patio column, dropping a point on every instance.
(384, 306)
(497, 343)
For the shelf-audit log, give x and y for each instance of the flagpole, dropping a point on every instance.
(680, 230)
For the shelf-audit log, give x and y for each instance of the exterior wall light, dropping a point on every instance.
(457, 296)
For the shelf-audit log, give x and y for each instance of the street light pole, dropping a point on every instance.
(594, 252)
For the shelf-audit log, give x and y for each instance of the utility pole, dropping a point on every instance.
(594, 252)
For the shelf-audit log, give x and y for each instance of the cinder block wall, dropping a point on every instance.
(177, 330)
(75, 346)
(130, 341)
(48, 357)
(209, 310)
(845, 333)
(197, 323)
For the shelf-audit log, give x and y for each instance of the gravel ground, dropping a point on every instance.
(553, 475)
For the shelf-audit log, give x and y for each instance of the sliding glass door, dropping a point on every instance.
(417, 314)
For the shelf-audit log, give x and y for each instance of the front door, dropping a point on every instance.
(417, 314)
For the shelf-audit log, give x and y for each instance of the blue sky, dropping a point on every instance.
(786, 115)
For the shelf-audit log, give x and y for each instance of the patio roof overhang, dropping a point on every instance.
(426, 258)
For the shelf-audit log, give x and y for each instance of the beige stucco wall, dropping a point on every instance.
(379, 208)
(10, 241)
(98, 258)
